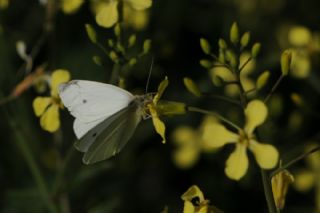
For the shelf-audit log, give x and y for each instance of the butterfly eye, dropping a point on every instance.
(84, 101)
(94, 134)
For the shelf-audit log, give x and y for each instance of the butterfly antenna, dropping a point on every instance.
(149, 76)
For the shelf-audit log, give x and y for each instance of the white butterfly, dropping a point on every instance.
(106, 116)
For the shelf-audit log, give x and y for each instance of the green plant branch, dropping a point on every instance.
(274, 88)
(295, 160)
(34, 168)
(220, 117)
(267, 188)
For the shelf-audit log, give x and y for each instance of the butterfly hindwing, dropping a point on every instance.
(110, 136)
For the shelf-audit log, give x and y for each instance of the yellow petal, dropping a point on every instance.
(70, 6)
(188, 207)
(50, 119)
(140, 4)
(266, 155)
(237, 163)
(216, 135)
(157, 123)
(107, 14)
(40, 104)
(256, 113)
(304, 180)
(162, 86)
(193, 192)
(58, 77)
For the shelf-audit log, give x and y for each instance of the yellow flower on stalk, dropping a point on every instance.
(194, 202)
(107, 13)
(157, 123)
(70, 6)
(237, 164)
(47, 108)
(190, 144)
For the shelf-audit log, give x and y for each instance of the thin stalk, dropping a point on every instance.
(274, 88)
(267, 188)
(222, 98)
(220, 117)
(34, 168)
(295, 160)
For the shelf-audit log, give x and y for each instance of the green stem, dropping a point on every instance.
(223, 98)
(220, 117)
(34, 168)
(268, 191)
(60, 174)
(265, 177)
(115, 74)
(274, 88)
(295, 160)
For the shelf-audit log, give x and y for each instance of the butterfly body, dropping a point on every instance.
(106, 116)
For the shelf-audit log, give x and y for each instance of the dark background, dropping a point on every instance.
(143, 177)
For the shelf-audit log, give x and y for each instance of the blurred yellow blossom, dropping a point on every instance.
(190, 144)
(237, 164)
(157, 123)
(301, 64)
(70, 6)
(306, 179)
(137, 19)
(47, 108)
(299, 36)
(107, 13)
(4, 4)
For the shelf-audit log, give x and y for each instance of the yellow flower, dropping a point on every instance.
(47, 108)
(194, 202)
(107, 10)
(157, 123)
(190, 144)
(237, 164)
(71, 6)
